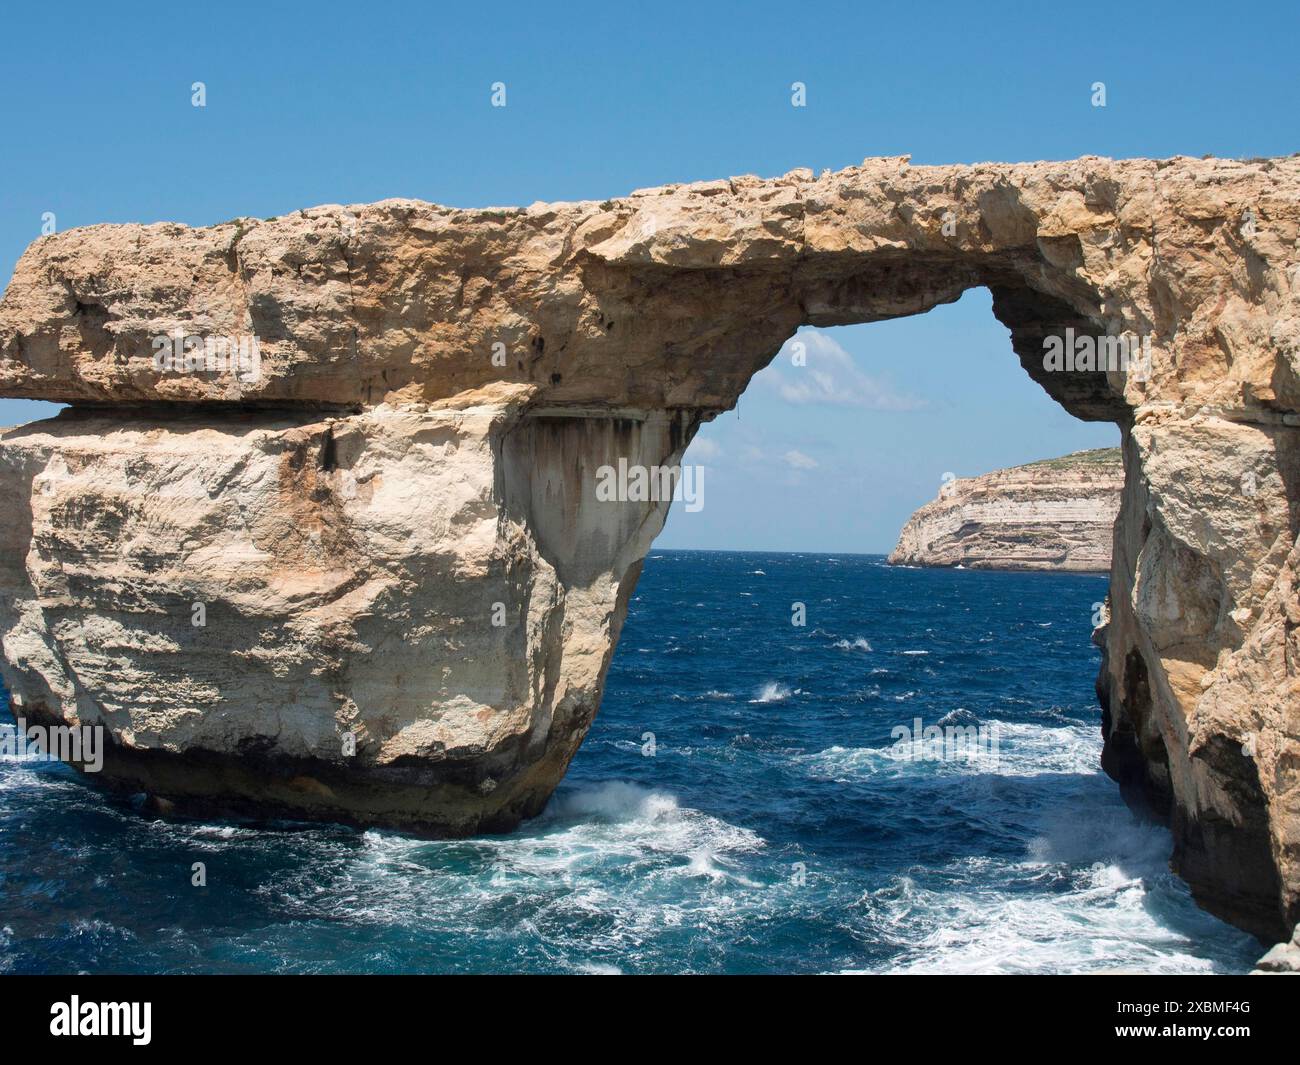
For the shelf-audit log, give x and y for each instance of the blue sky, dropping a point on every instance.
(333, 103)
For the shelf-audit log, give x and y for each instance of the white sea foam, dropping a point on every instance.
(15, 776)
(1023, 750)
(597, 881)
(772, 692)
(616, 851)
(1091, 893)
(597, 968)
(27, 772)
(858, 644)
(994, 916)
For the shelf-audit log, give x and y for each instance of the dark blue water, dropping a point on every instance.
(739, 806)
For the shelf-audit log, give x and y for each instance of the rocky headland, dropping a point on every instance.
(1056, 514)
(319, 534)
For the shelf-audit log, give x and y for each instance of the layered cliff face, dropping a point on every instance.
(401, 617)
(1058, 514)
(387, 504)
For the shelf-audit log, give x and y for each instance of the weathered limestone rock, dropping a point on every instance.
(437, 389)
(406, 615)
(1282, 959)
(1057, 514)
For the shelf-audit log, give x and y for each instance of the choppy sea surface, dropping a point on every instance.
(741, 805)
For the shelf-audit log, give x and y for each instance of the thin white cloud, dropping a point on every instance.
(702, 450)
(829, 376)
(799, 461)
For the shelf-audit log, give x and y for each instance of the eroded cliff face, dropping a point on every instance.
(401, 617)
(1057, 514)
(437, 389)
(1199, 685)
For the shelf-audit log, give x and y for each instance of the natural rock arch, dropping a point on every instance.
(412, 464)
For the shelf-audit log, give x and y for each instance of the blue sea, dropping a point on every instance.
(741, 805)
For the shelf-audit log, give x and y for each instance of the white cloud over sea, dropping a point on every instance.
(829, 376)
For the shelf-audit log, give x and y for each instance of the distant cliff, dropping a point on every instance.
(1056, 514)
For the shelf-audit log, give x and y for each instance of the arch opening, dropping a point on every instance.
(772, 673)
